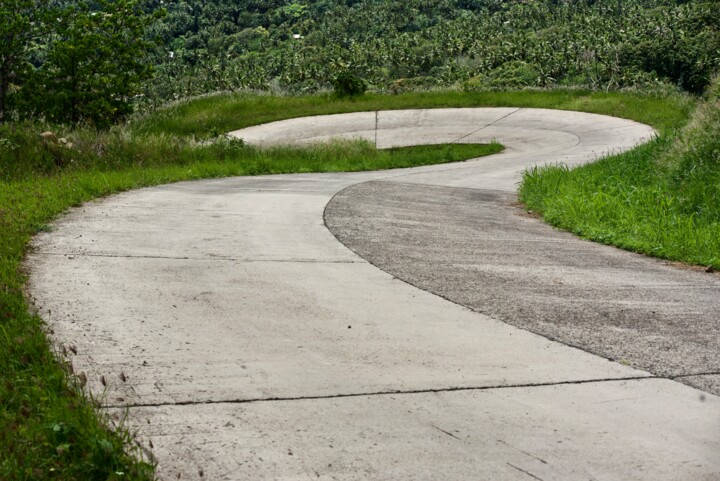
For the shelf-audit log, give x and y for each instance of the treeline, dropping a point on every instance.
(476, 44)
(94, 60)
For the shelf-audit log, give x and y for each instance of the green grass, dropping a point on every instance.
(48, 429)
(212, 115)
(662, 199)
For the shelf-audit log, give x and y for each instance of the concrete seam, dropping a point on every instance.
(486, 126)
(388, 393)
(200, 259)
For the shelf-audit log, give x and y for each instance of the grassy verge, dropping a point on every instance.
(48, 429)
(216, 114)
(662, 199)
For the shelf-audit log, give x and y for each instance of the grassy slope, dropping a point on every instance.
(222, 113)
(662, 199)
(48, 430)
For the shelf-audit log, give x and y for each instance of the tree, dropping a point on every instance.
(21, 24)
(95, 62)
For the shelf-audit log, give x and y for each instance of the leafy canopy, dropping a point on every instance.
(80, 61)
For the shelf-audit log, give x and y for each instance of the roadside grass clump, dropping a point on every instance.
(353, 156)
(661, 199)
(49, 429)
(103, 153)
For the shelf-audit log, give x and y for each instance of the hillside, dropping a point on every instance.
(397, 46)
(662, 199)
(98, 61)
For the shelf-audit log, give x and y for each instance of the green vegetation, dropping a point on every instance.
(48, 429)
(662, 199)
(302, 46)
(78, 69)
(212, 115)
(91, 61)
(347, 84)
(73, 61)
(28, 157)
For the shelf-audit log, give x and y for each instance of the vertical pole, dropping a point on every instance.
(377, 120)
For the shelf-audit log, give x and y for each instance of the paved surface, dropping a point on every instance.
(246, 342)
(478, 249)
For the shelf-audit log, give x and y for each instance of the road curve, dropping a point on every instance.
(246, 342)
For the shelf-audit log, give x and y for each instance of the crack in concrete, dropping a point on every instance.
(445, 432)
(384, 393)
(524, 472)
(526, 453)
(411, 391)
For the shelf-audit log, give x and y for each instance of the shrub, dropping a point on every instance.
(347, 84)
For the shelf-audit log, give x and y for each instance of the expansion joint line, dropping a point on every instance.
(486, 126)
(288, 260)
(382, 393)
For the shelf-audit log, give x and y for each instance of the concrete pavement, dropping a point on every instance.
(482, 251)
(245, 342)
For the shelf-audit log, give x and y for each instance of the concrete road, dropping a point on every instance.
(244, 341)
(482, 251)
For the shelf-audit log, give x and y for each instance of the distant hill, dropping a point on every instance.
(477, 44)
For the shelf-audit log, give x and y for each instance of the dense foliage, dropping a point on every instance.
(73, 61)
(90, 60)
(477, 44)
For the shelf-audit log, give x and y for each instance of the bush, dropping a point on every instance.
(347, 84)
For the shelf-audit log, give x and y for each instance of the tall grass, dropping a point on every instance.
(28, 156)
(662, 199)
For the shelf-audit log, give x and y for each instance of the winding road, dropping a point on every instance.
(403, 324)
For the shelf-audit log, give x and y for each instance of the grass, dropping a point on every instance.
(121, 150)
(216, 114)
(662, 199)
(48, 428)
